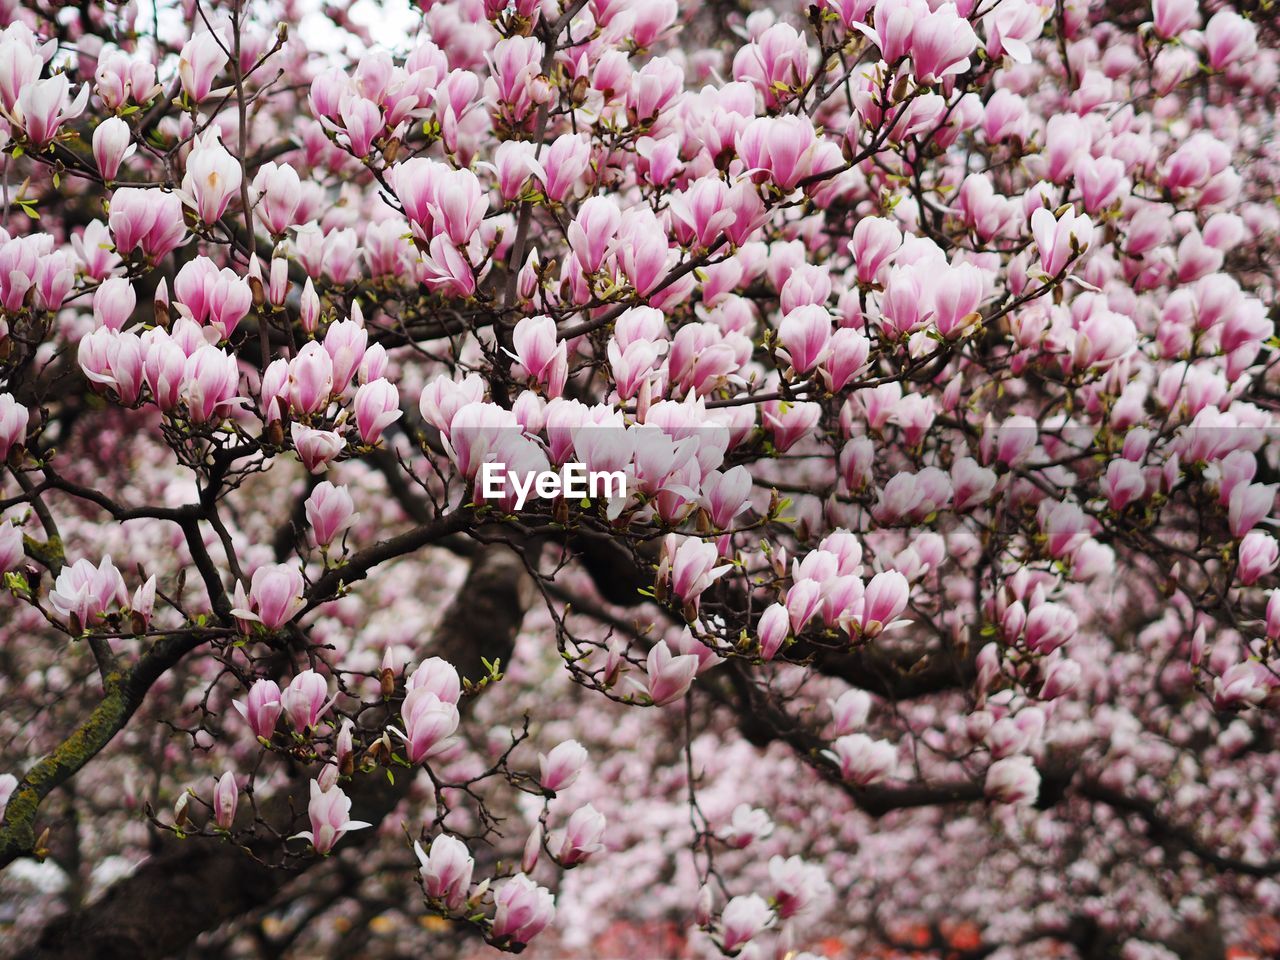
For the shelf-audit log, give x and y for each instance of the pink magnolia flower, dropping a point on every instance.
(226, 796)
(1173, 17)
(805, 333)
(120, 78)
(330, 813)
(448, 269)
(777, 60)
(316, 448)
(261, 708)
(582, 836)
(747, 824)
(726, 495)
(142, 606)
(436, 675)
(592, 231)
(330, 512)
(95, 250)
(163, 367)
(114, 360)
(849, 711)
(1123, 483)
(690, 566)
(113, 303)
(1066, 527)
(1242, 685)
(772, 629)
(634, 366)
(651, 20)
(1011, 26)
(559, 768)
(649, 90)
(779, 147)
(941, 43)
(956, 296)
(875, 241)
(82, 592)
(1228, 39)
(514, 64)
(212, 297)
(1101, 180)
(849, 11)
(894, 20)
(511, 162)
(803, 600)
(444, 397)
(210, 381)
(1048, 626)
(11, 546)
(415, 182)
(522, 910)
(112, 145)
(1060, 679)
(275, 595)
(643, 251)
(863, 761)
(1259, 555)
(146, 220)
(744, 918)
(44, 105)
(305, 700)
(668, 676)
(311, 380)
(446, 870)
(429, 722)
(846, 358)
(790, 422)
(532, 849)
(884, 600)
(279, 191)
(1013, 780)
(562, 166)
(459, 205)
(377, 406)
(212, 178)
(702, 212)
(201, 60)
(1059, 240)
(1249, 504)
(541, 354)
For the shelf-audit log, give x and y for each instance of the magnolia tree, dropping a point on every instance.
(924, 353)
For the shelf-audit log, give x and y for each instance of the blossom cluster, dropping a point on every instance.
(934, 341)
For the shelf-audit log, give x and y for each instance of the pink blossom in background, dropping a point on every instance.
(932, 343)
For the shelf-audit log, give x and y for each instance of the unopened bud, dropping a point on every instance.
(532, 847)
(705, 907)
